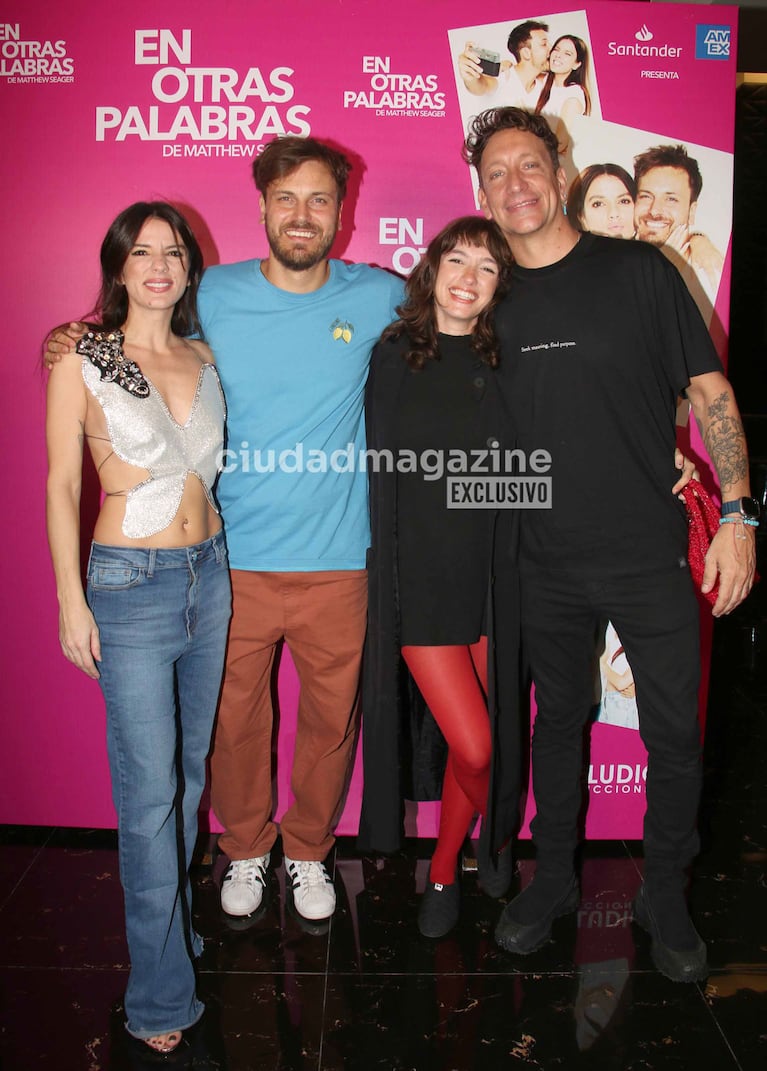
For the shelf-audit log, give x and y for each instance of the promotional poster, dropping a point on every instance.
(106, 106)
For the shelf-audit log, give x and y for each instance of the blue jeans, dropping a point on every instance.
(162, 618)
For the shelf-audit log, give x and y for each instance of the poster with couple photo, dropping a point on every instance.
(539, 62)
(648, 185)
(547, 63)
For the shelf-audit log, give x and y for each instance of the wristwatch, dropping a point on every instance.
(748, 508)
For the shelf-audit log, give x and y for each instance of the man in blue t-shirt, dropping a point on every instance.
(292, 336)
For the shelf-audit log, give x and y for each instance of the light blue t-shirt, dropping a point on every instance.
(293, 492)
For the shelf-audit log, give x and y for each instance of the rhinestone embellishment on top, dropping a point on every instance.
(105, 351)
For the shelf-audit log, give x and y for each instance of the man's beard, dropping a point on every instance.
(299, 259)
(652, 237)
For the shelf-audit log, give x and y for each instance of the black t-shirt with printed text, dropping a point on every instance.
(595, 350)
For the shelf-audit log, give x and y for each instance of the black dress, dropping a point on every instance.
(447, 411)
(403, 749)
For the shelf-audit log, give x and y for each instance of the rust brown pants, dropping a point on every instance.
(321, 616)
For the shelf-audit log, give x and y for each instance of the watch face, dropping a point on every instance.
(749, 507)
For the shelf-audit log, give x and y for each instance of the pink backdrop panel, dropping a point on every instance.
(109, 105)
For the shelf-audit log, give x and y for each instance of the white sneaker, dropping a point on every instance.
(242, 888)
(313, 894)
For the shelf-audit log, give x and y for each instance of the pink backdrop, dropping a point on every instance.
(103, 106)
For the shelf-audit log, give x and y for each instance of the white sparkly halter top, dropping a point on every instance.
(143, 432)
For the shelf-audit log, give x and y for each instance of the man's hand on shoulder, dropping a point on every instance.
(61, 341)
(679, 241)
(705, 257)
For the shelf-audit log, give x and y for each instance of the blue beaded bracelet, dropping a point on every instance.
(739, 520)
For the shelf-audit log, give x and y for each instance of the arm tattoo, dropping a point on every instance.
(725, 441)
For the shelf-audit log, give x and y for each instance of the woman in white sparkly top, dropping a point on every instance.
(151, 623)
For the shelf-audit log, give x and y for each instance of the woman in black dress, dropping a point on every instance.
(434, 421)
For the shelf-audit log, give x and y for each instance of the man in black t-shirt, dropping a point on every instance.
(600, 337)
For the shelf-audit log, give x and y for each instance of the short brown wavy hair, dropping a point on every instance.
(494, 120)
(282, 156)
(417, 315)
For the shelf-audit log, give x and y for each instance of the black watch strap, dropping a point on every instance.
(748, 507)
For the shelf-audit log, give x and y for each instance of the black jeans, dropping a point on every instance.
(656, 617)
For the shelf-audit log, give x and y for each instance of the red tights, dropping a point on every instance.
(453, 681)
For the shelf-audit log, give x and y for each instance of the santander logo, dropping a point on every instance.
(643, 36)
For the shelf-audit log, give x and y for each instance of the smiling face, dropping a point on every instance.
(663, 203)
(608, 208)
(519, 188)
(155, 271)
(466, 282)
(302, 214)
(563, 58)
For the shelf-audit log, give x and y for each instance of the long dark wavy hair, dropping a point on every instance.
(111, 308)
(578, 77)
(417, 314)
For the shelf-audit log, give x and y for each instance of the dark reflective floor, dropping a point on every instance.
(370, 993)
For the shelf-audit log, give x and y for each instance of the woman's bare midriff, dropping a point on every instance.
(195, 521)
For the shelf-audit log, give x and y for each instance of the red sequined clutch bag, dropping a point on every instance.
(702, 526)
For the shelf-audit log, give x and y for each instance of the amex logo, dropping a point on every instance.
(712, 42)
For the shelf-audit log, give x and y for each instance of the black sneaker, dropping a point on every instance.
(525, 924)
(677, 949)
(439, 909)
